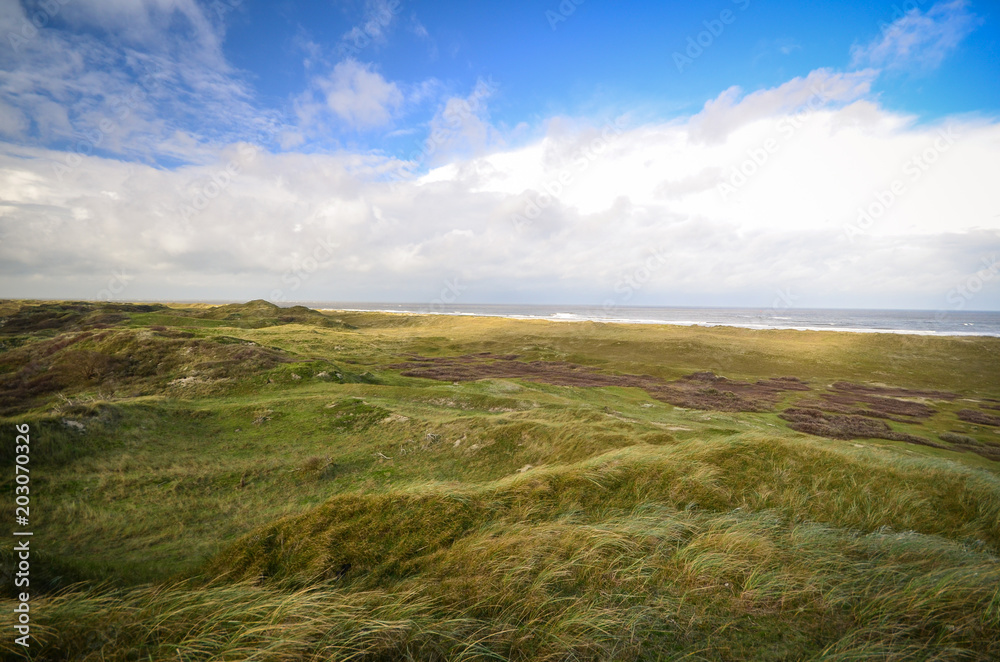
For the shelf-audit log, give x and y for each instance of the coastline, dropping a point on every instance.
(571, 317)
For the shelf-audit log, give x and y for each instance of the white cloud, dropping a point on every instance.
(820, 88)
(125, 85)
(782, 172)
(141, 23)
(919, 39)
(421, 32)
(378, 17)
(312, 50)
(755, 193)
(13, 123)
(460, 128)
(615, 194)
(357, 94)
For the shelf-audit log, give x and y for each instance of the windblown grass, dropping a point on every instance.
(305, 501)
(629, 586)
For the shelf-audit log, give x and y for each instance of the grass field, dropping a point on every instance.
(249, 482)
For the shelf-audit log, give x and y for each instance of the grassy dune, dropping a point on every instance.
(248, 482)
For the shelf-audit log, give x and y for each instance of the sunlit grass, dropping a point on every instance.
(324, 507)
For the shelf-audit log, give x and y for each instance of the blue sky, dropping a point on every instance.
(608, 57)
(531, 151)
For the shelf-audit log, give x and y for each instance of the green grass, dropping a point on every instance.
(245, 482)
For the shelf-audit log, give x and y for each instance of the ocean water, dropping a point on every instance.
(926, 322)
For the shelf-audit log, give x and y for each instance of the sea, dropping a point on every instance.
(923, 322)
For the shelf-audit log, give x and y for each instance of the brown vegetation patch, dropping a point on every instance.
(491, 366)
(137, 361)
(881, 407)
(785, 383)
(893, 392)
(858, 400)
(705, 390)
(978, 417)
(963, 442)
(989, 452)
(701, 390)
(837, 426)
(68, 316)
(838, 407)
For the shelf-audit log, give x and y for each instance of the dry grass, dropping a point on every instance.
(701, 390)
(554, 507)
(978, 417)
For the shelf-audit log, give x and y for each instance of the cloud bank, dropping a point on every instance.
(810, 187)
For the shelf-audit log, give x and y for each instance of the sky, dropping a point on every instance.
(724, 153)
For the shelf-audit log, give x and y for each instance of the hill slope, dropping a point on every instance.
(392, 487)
